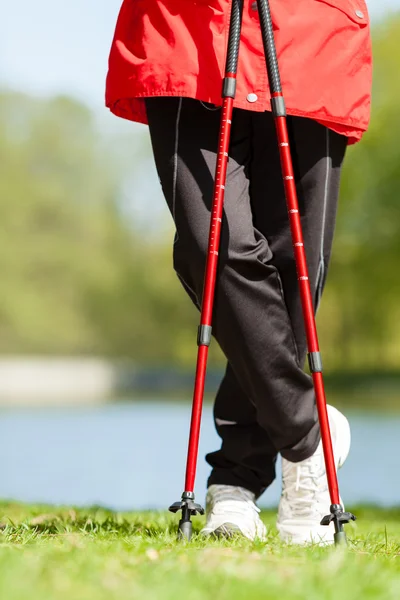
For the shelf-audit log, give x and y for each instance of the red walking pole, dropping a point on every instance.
(187, 504)
(337, 515)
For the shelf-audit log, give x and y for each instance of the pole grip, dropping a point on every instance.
(269, 47)
(235, 27)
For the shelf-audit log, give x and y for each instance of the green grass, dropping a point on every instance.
(51, 553)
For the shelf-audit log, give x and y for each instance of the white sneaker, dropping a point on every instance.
(305, 495)
(231, 510)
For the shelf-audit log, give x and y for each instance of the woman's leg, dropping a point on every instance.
(247, 456)
(317, 154)
(184, 136)
(251, 319)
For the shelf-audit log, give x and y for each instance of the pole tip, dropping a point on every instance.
(340, 538)
(185, 531)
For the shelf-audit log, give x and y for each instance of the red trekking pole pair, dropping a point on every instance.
(187, 504)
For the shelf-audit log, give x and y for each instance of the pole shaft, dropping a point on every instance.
(298, 242)
(228, 94)
(209, 290)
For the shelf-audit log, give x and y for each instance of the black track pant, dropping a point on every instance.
(266, 402)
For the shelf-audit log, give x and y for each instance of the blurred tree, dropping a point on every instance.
(58, 224)
(78, 274)
(360, 313)
(75, 276)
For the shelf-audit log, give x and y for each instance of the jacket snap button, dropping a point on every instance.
(254, 6)
(360, 14)
(252, 98)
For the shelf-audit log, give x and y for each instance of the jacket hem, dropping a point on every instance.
(132, 108)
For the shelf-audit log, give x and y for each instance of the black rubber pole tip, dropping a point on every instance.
(185, 530)
(340, 538)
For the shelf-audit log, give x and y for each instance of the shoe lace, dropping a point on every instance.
(301, 484)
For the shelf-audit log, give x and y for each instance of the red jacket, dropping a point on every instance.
(178, 47)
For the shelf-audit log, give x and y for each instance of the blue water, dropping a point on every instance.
(132, 456)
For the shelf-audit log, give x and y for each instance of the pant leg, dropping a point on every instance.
(251, 321)
(247, 456)
(317, 155)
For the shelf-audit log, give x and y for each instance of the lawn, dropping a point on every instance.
(49, 553)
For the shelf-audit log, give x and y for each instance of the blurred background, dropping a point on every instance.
(97, 339)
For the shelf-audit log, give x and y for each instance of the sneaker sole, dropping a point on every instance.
(226, 530)
(318, 537)
(231, 530)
